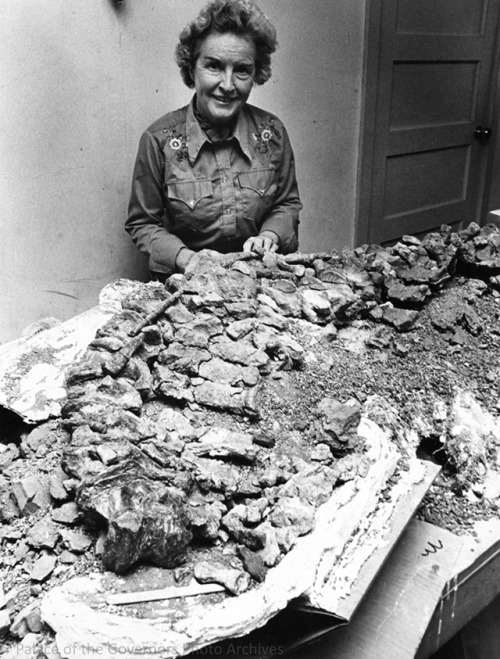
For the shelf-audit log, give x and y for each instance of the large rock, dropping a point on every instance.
(146, 521)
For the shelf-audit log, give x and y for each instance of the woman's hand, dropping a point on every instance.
(267, 241)
(183, 257)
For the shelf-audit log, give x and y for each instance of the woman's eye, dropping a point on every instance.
(243, 73)
(213, 66)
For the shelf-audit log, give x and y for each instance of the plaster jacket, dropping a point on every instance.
(190, 191)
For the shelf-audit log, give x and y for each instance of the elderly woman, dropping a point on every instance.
(218, 173)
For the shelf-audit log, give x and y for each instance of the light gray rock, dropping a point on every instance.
(76, 541)
(205, 520)
(240, 328)
(401, 319)
(31, 494)
(337, 422)
(407, 294)
(341, 297)
(9, 509)
(39, 437)
(221, 442)
(56, 485)
(270, 553)
(170, 384)
(211, 474)
(316, 305)
(183, 359)
(225, 397)
(293, 511)
(43, 567)
(239, 352)
(67, 557)
(253, 563)
(120, 393)
(286, 297)
(8, 453)
(253, 538)
(224, 372)
(218, 571)
(43, 534)
(68, 513)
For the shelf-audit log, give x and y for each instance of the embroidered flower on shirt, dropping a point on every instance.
(265, 132)
(177, 143)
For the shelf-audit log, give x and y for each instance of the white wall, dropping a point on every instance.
(81, 80)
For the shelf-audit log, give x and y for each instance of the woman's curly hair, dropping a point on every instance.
(241, 17)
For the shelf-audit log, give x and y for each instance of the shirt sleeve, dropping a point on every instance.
(283, 219)
(146, 211)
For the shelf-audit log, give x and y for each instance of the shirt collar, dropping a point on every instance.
(196, 136)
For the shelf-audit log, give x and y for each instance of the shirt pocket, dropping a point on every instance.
(188, 201)
(258, 190)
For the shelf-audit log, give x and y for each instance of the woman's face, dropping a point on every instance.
(223, 76)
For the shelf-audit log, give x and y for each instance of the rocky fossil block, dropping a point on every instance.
(211, 342)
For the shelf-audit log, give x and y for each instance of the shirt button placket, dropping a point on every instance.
(227, 192)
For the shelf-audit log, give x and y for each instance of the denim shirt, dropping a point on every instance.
(190, 192)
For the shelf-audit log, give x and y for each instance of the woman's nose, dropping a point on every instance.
(227, 81)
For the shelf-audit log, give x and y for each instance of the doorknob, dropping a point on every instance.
(482, 134)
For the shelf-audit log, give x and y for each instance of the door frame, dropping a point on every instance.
(365, 188)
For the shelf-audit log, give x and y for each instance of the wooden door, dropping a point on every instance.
(427, 89)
